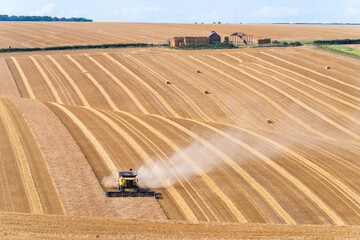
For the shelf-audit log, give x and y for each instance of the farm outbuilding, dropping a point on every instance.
(177, 41)
(238, 38)
(196, 40)
(214, 37)
(264, 41)
(180, 41)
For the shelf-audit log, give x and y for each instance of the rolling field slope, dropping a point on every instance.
(26, 183)
(43, 170)
(214, 157)
(44, 34)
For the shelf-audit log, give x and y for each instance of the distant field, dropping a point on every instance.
(44, 34)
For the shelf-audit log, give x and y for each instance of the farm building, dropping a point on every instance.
(214, 37)
(180, 41)
(196, 40)
(264, 41)
(241, 38)
(177, 41)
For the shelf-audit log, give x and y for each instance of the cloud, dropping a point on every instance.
(6, 11)
(126, 11)
(149, 9)
(278, 12)
(44, 10)
(208, 17)
(352, 12)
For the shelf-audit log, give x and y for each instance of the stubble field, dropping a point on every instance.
(45, 34)
(276, 140)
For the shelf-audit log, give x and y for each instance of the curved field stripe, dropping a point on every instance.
(294, 99)
(212, 185)
(334, 97)
(158, 150)
(265, 97)
(47, 80)
(305, 77)
(120, 84)
(65, 92)
(313, 71)
(93, 80)
(24, 78)
(334, 109)
(302, 160)
(99, 148)
(32, 193)
(71, 81)
(177, 197)
(247, 177)
(326, 209)
(311, 87)
(146, 85)
(185, 97)
(219, 104)
(339, 185)
(326, 175)
(5, 190)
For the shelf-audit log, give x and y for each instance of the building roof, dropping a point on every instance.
(212, 33)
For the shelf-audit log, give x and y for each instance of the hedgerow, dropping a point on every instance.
(79, 47)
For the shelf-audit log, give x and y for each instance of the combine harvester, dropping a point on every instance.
(128, 187)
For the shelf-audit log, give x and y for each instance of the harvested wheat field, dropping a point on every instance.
(275, 140)
(62, 227)
(45, 34)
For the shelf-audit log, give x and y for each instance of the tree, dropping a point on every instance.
(41, 18)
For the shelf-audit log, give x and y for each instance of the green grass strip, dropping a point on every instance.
(342, 50)
(337, 41)
(303, 42)
(207, 46)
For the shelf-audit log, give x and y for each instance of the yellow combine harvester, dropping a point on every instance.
(128, 186)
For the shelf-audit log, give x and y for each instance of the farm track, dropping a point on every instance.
(44, 34)
(301, 169)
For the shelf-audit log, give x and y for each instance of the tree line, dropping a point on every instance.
(42, 19)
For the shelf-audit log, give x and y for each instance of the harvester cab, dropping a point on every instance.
(127, 181)
(128, 186)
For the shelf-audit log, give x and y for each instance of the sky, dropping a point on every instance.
(191, 11)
